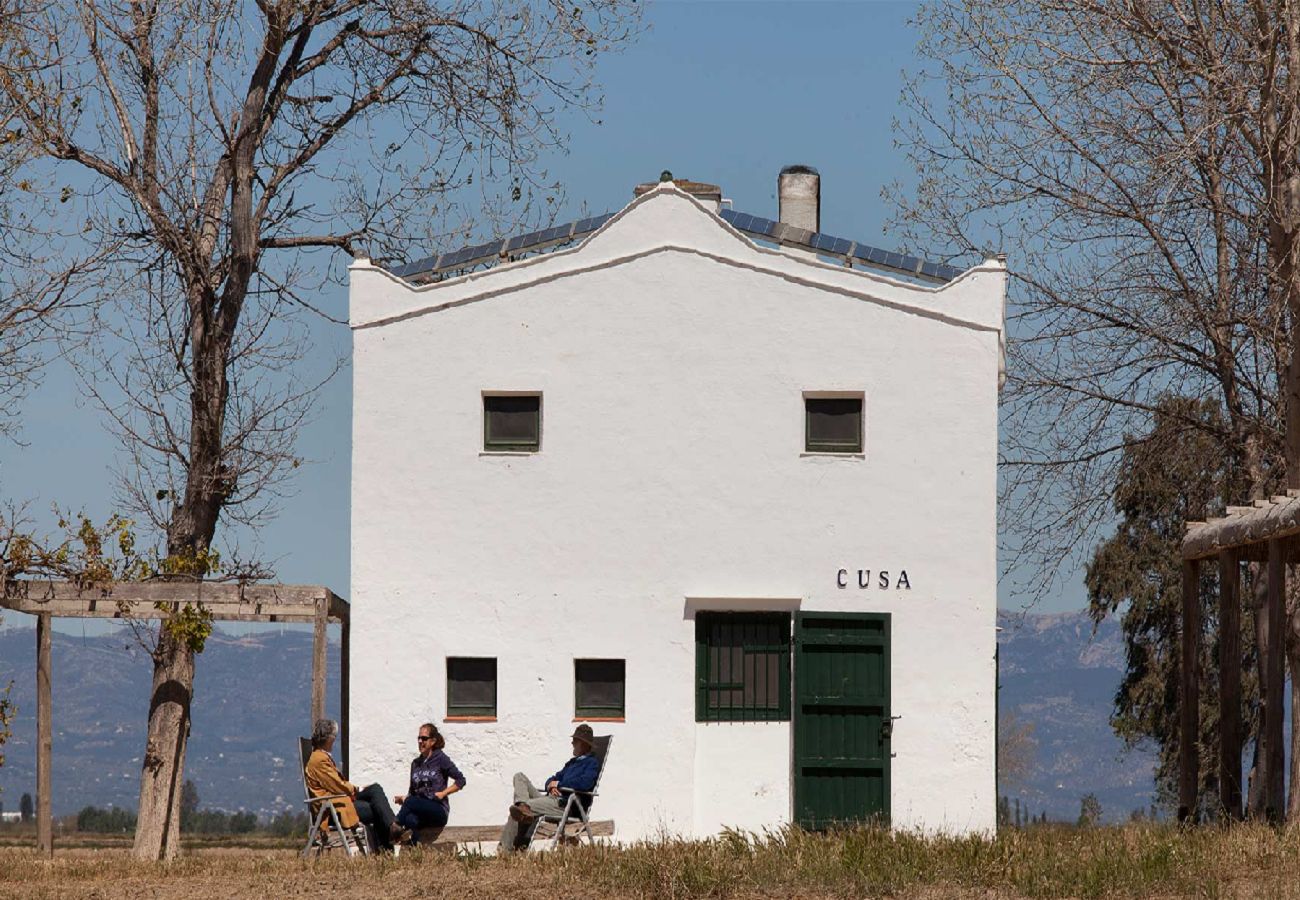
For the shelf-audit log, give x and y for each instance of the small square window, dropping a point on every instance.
(512, 422)
(599, 688)
(471, 686)
(833, 424)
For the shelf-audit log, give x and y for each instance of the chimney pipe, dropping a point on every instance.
(799, 197)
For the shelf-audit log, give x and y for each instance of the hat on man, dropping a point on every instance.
(584, 733)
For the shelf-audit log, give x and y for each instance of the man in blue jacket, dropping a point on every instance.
(579, 773)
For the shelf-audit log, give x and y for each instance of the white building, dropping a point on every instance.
(729, 500)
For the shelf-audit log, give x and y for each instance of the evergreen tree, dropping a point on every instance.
(1175, 474)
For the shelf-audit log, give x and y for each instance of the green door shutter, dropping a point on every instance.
(841, 718)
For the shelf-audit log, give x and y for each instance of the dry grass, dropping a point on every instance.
(1129, 861)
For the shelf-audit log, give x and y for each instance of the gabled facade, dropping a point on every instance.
(732, 504)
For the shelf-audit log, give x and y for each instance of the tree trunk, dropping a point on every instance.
(189, 536)
(158, 827)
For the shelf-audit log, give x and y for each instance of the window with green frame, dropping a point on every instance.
(599, 688)
(471, 686)
(742, 667)
(833, 424)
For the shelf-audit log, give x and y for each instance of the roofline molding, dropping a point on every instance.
(487, 293)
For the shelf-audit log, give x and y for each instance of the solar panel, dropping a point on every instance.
(455, 258)
(520, 241)
(755, 226)
(556, 233)
(591, 224)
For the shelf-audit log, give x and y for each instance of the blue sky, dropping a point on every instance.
(726, 92)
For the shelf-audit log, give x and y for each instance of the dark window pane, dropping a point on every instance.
(834, 424)
(471, 686)
(744, 661)
(512, 423)
(599, 686)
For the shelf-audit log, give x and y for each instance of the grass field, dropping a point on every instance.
(1128, 861)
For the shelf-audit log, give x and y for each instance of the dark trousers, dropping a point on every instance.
(374, 809)
(421, 812)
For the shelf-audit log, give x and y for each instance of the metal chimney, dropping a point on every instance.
(799, 195)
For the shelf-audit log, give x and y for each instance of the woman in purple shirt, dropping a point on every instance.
(434, 777)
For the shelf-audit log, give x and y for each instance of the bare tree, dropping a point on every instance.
(215, 141)
(1017, 751)
(1140, 163)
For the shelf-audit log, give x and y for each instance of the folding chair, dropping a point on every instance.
(327, 835)
(574, 811)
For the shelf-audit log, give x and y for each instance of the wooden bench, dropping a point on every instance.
(474, 834)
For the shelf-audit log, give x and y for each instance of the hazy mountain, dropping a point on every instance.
(252, 699)
(1060, 677)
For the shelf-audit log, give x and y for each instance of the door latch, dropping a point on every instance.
(887, 727)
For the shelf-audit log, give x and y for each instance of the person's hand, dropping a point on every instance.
(553, 789)
(440, 795)
(399, 799)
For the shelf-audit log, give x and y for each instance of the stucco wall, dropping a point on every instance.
(672, 357)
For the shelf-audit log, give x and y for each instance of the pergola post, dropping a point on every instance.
(1189, 695)
(1230, 684)
(318, 646)
(345, 686)
(44, 738)
(1274, 752)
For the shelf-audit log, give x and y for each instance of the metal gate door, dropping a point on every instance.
(841, 718)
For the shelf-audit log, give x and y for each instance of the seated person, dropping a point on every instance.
(368, 804)
(579, 774)
(434, 777)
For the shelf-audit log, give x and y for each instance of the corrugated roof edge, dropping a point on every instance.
(755, 226)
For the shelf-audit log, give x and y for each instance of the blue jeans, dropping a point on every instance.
(421, 812)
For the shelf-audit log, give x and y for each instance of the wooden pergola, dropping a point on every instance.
(1267, 532)
(227, 602)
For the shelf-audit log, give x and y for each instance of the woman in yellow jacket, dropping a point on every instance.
(369, 804)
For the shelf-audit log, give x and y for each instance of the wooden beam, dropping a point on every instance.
(229, 602)
(318, 660)
(1230, 685)
(345, 688)
(1189, 695)
(469, 834)
(44, 738)
(1274, 752)
(1250, 525)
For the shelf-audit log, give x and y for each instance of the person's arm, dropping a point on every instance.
(553, 783)
(455, 778)
(322, 771)
(580, 775)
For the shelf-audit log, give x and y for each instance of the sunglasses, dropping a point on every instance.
(424, 737)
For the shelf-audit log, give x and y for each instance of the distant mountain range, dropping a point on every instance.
(253, 693)
(1059, 676)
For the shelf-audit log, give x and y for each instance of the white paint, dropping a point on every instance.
(731, 794)
(673, 355)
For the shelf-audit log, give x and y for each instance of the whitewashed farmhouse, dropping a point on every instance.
(722, 486)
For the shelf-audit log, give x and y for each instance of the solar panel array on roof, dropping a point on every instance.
(755, 226)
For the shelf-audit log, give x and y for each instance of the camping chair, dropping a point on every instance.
(574, 812)
(327, 835)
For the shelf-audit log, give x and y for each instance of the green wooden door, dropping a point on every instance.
(841, 718)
